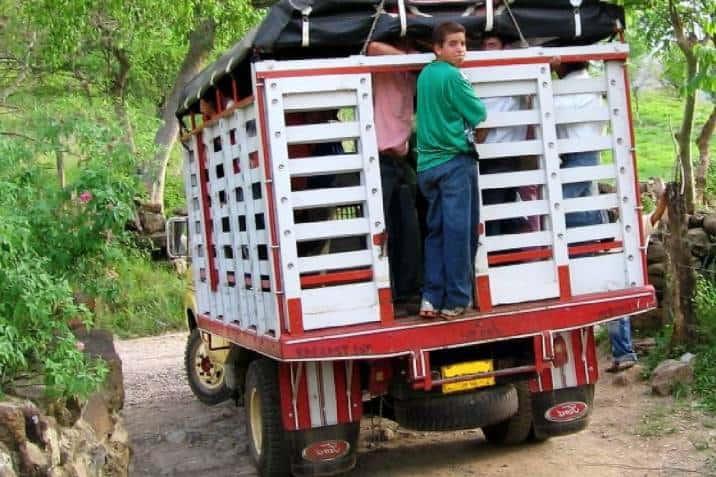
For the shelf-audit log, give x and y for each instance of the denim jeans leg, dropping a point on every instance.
(434, 272)
(458, 190)
(389, 186)
(620, 339)
(580, 189)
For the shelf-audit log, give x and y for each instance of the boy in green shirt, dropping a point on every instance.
(448, 113)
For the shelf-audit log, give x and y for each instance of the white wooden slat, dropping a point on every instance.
(319, 198)
(332, 229)
(319, 101)
(512, 241)
(308, 166)
(600, 273)
(594, 143)
(335, 261)
(338, 298)
(579, 85)
(507, 88)
(511, 118)
(316, 84)
(594, 232)
(514, 209)
(511, 179)
(325, 132)
(587, 173)
(594, 202)
(489, 74)
(583, 115)
(512, 149)
(252, 144)
(523, 282)
(355, 316)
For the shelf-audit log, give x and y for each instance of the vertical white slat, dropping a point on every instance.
(623, 161)
(314, 394)
(368, 149)
(330, 406)
(214, 305)
(553, 186)
(565, 376)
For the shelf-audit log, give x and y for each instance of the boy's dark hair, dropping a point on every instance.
(445, 29)
(574, 66)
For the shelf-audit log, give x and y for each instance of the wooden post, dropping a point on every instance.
(681, 276)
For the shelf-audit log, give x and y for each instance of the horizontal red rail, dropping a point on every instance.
(337, 278)
(594, 247)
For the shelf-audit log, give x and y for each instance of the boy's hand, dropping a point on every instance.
(659, 187)
(479, 135)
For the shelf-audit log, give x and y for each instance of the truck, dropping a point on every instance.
(306, 337)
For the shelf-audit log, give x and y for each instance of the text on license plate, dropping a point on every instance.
(463, 369)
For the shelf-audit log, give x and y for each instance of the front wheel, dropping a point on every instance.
(206, 377)
(517, 428)
(267, 438)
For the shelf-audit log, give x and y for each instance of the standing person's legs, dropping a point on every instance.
(434, 275)
(623, 355)
(580, 189)
(408, 247)
(389, 174)
(458, 187)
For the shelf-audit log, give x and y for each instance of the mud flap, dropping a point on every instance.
(562, 411)
(326, 450)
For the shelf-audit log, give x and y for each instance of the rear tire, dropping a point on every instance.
(206, 378)
(438, 412)
(267, 438)
(516, 429)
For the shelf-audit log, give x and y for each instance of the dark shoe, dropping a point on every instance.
(621, 366)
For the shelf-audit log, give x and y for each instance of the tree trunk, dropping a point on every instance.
(60, 163)
(702, 170)
(201, 42)
(686, 45)
(119, 92)
(682, 280)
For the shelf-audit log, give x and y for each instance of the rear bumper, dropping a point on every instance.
(414, 336)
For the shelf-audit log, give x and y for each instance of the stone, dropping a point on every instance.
(33, 460)
(32, 388)
(12, 425)
(669, 373)
(176, 437)
(650, 321)
(100, 344)
(698, 242)
(180, 265)
(7, 468)
(710, 224)
(152, 222)
(643, 345)
(688, 358)
(96, 414)
(656, 252)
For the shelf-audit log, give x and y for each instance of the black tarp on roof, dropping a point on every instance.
(335, 28)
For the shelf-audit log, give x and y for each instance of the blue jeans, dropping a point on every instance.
(451, 242)
(620, 338)
(580, 189)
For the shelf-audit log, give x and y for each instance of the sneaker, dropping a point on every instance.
(620, 366)
(427, 310)
(451, 313)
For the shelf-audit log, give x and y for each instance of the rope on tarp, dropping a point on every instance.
(378, 12)
(577, 17)
(403, 18)
(305, 23)
(489, 15)
(523, 42)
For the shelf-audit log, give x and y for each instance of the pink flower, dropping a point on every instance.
(85, 197)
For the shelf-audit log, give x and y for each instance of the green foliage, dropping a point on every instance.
(705, 368)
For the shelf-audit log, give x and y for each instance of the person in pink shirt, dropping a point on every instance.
(393, 100)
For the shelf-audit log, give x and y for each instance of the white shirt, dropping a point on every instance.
(572, 105)
(505, 134)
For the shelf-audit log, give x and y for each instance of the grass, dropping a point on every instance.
(655, 148)
(145, 299)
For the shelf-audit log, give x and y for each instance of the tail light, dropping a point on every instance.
(560, 352)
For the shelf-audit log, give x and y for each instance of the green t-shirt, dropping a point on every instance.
(448, 111)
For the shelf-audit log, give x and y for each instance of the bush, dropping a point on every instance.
(705, 368)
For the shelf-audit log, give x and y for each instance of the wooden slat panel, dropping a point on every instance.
(583, 115)
(594, 143)
(576, 86)
(335, 261)
(319, 198)
(512, 149)
(513, 241)
(511, 179)
(332, 229)
(594, 232)
(319, 101)
(512, 118)
(601, 273)
(308, 166)
(587, 173)
(507, 88)
(325, 132)
(491, 74)
(523, 282)
(595, 202)
(515, 209)
(337, 298)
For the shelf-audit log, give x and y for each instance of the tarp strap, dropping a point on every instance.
(523, 42)
(378, 12)
(403, 18)
(306, 27)
(577, 23)
(489, 15)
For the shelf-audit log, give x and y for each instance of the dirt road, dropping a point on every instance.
(631, 433)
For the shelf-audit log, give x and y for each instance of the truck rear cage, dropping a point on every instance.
(281, 256)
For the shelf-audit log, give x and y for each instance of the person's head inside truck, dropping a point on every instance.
(449, 43)
(563, 69)
(491, 43)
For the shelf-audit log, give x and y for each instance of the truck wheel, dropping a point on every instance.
(267, 438)
(438, 412)
(206, 378)
(516, 429)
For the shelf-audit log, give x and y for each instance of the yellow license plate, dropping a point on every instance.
(463, 369)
